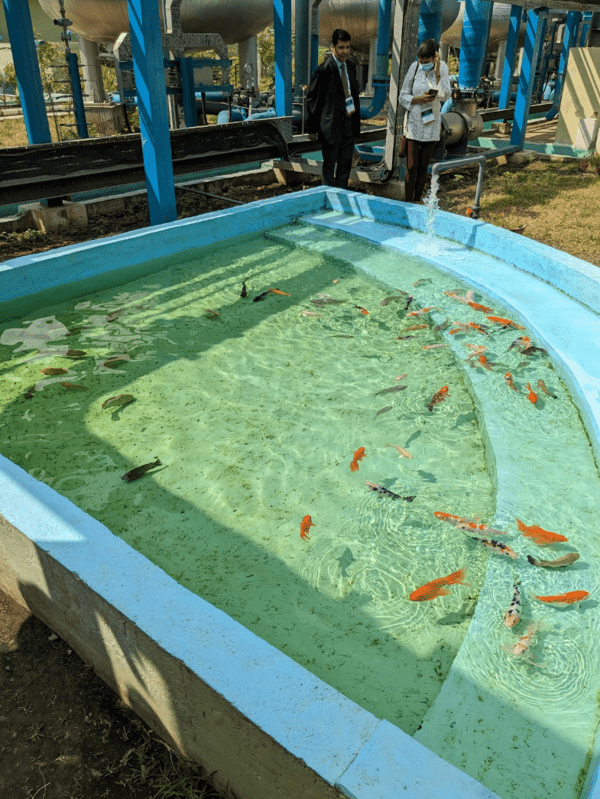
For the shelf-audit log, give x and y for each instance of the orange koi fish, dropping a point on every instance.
(420, 312)
(521, 343)
(210, 314)
(401, 451)
(505, 322)
(276, 291)
(509, 381)
(532, 396)
(477, 307)
(476, 350)
(362, 310)
(483, 361)
(305, 526)
(437, 587)
(570, 598)
(456, 296)
(538, 535)
(358, 455)
(51, 371)
(467, 327)
(73, 386)
(439, 396)
(417, 327)
(467, 524)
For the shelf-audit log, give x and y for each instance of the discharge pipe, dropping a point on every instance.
(443, 166)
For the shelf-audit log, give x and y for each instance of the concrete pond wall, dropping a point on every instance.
(260, 724)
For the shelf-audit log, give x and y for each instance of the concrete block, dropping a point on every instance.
(53, 220)
(522, 157)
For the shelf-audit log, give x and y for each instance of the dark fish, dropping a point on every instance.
(409, 299)
(121, 399)
(244, 290)
(385, 492)
(389, 390)
(384, 410)
(115, 359)
(390, 299)
(261, 296)
(403, 338)
(30, 393)
(51, 371)
(442, 326)
(532, 350)
(114, 315)
(566, 560)
(75, 353)
(140, 471)
(340, 335)
(73, 386)
(74, 331)
(327, 301)
(542, 386)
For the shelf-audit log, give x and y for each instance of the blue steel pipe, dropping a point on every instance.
(430, 20)
(473, 42)
(380, 80)
(571, 26)
(20, 33)
(282, 25)
(78, 106)
(516, 13)
(302, 71)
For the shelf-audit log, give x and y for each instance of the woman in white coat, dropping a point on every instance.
(426, 87)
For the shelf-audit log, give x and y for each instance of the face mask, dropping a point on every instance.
(427, 67)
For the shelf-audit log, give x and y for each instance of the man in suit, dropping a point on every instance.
(333, 110)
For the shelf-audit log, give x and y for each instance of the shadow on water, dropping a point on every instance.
(415, 681)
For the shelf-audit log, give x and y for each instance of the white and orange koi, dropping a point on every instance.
(401, 451)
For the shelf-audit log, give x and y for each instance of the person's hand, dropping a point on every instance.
(421, 99)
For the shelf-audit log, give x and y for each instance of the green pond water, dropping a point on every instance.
(255, 415)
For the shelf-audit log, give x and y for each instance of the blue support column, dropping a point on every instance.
(571, 25)
(302, 33)
(282, 24)
(146, 47)
(536, 18)
(516, 12)
(188, 93)
(473, 42)
(78, 105)
(430, 20)
(22, 44)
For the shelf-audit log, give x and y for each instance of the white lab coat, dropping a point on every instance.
(418, 82)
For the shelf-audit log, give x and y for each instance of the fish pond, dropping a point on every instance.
(255, 406)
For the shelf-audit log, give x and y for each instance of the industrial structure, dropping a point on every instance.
(157, 48)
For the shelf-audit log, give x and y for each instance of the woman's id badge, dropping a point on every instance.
(427, 116)
(350, 109)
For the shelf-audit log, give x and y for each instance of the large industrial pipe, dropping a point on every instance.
(473, 43)
(380, 80)
(430, 20)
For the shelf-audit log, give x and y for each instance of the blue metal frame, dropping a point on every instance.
(22, 44)
(146, 46)
(78, 106)
(516, 13)
(571, 26)
(282, 24)
(536, 19)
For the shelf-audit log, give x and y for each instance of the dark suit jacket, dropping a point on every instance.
(326, 101)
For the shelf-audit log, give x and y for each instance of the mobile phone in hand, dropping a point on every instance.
(432, 92)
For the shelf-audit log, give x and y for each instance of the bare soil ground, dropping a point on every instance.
(63, 733)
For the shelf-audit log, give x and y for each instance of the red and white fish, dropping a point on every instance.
(439, 396)
(421, 311)
(522, 646)
(467, 524)
(498, 320)
(509, 381)
(438, 587)
(401, 451)
(305, 526)
(538, 535)
(478, 307)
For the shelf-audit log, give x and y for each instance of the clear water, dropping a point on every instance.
(255, 415)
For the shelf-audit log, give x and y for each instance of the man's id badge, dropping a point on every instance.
(350, 109)
(427, 116)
